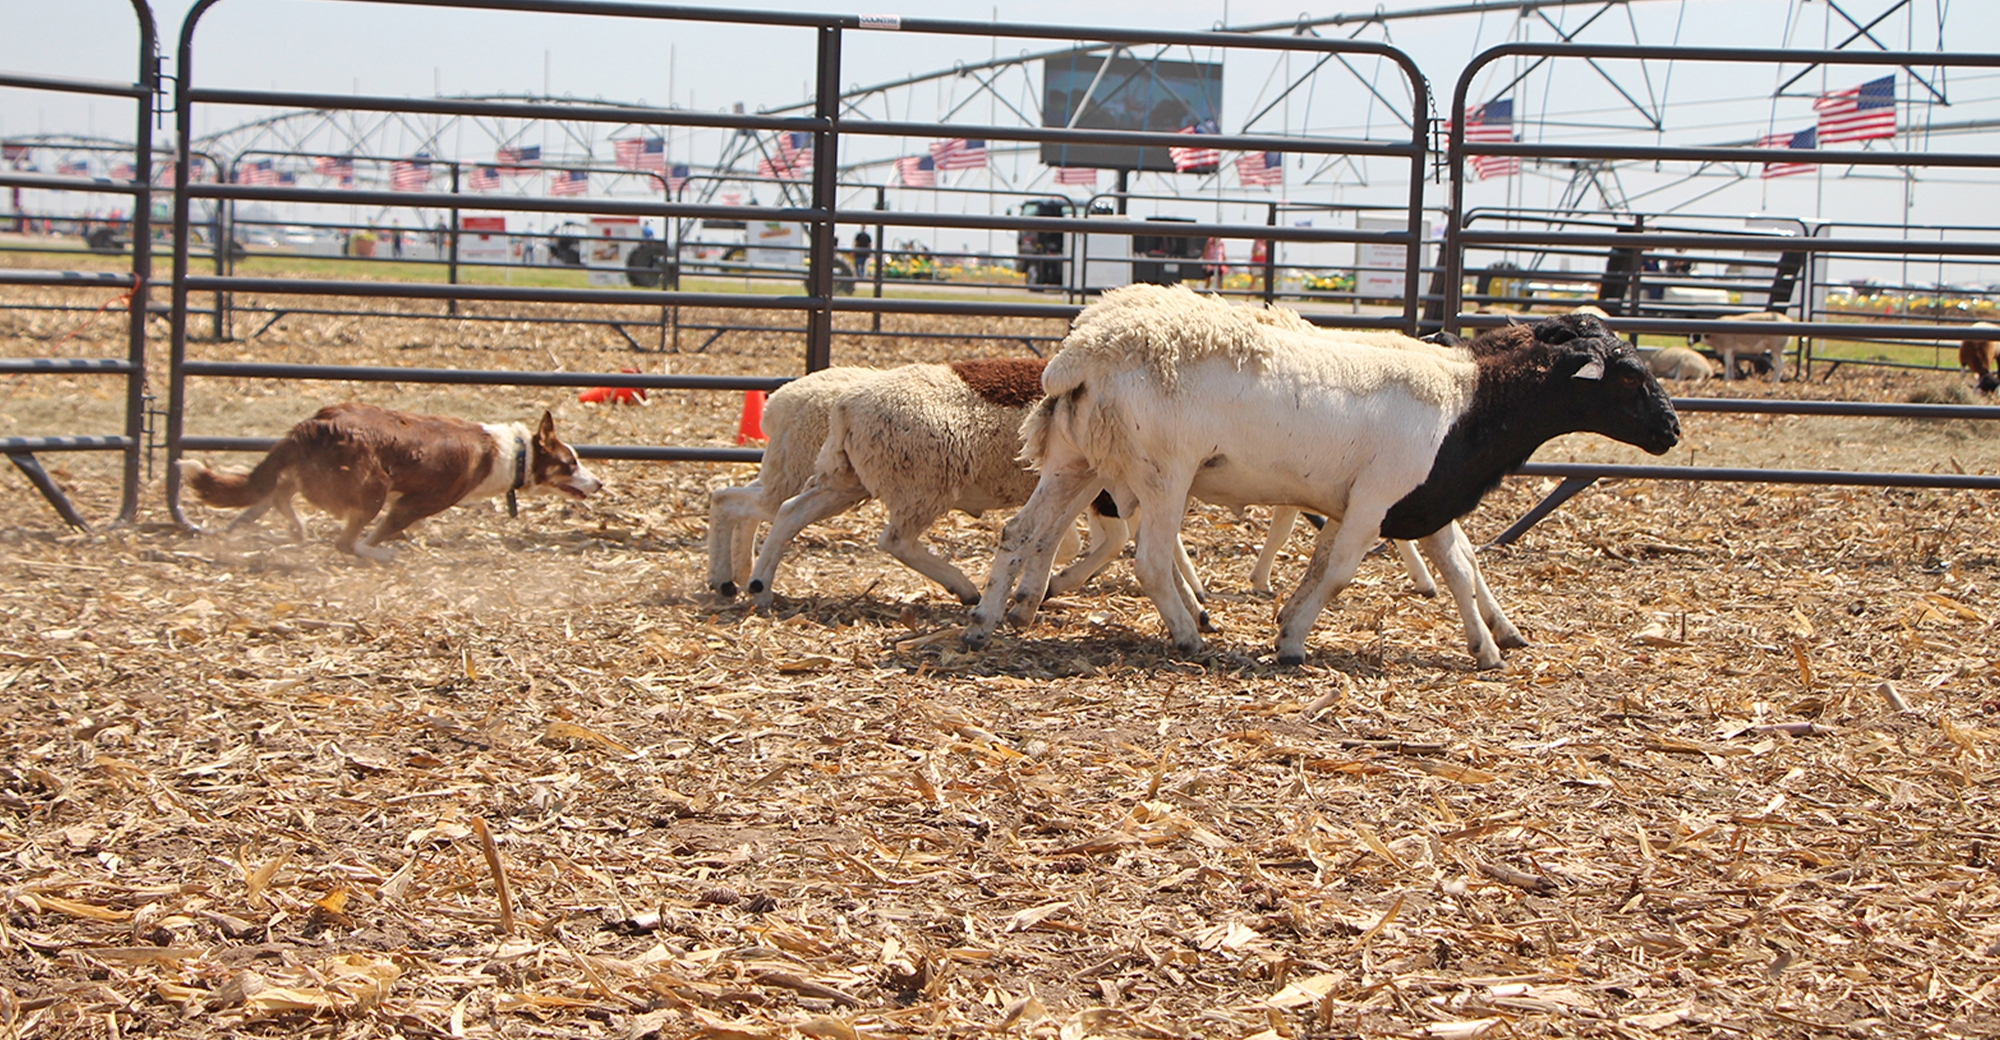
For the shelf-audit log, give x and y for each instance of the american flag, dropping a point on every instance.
(1491, 122)
(1261, 169)
(795, 149)
(123, 172)
(517, 161)
(642, 153)
(339, 167)
(1861, 113)
(15, 153)
(780, 170)
(1195, 159)
(568, 182)
(410, 174)
(916, 171)
(259, 172)
(1077, 175)
(677, 178)
(959, 153)
(1807, 139)
(483, 178)
(287, 177)
(66, 168)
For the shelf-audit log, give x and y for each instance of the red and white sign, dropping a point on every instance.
(483, 240)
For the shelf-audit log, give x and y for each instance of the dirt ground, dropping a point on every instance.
(533, 780)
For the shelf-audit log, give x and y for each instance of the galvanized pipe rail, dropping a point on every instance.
(21, 451)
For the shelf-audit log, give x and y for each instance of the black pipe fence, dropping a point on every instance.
(1629, 243)
(136, 281)
(821, 216)
(1429, 297)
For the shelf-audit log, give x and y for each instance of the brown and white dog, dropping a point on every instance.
(353, 460)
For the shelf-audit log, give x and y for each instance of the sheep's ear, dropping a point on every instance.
(1592, 370)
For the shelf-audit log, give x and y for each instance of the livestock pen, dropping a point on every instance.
(534, 781)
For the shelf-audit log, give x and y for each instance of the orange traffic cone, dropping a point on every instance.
(751, 427)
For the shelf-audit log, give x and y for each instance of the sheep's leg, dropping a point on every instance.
(1034, 530)
(1184, 567)
(902, 538)
(828, 492)
(1413, 565)
(1282, 520)
(1108, 535)
(1728, 364)
(1503, 630)
(1162, 503)
(1033, 584)
(1450, 551)
(1778, 363)
(733, 515)
(1336, 556)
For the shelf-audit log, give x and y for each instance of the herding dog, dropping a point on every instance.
(352, 460)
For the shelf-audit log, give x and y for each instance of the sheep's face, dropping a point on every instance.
(1605, 387)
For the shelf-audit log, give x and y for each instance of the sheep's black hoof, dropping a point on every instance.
(1290, 660)
(970, 601)
(973, 641)
(727, 590)
(1512, 642)
(756, 586)
(1204, 623)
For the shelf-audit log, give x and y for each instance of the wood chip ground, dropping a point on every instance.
(533, 781)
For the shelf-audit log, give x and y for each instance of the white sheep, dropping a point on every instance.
(924, 439)
(1765, 344)
(1159, 393)
(1680, 363)
(794, 422)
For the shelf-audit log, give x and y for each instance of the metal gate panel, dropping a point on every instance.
(820, 215)
(136, 282)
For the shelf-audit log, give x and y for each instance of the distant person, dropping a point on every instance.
(1212, 256)
(864, 246)
(396, 240)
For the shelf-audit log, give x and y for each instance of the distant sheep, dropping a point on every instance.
(1764, 344)
(1680, 363)
(1160, 394)
(1981, 357)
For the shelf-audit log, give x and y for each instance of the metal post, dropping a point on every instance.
(177, 350)
(451, 271)
(881, 203)
(1270, 258)
(142, 261)
(826, 145)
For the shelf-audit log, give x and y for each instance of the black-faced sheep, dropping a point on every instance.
(1159, 393)
(1769, 345)
(1981, 357)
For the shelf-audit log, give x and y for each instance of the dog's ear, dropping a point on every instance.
(548, 428)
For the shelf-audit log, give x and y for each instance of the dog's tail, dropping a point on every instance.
(239, 490)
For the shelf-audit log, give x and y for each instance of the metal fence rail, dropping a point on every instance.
(827, 125)
(1459, 238)
(136, 281)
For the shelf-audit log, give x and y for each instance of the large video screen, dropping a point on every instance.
(1129, 94)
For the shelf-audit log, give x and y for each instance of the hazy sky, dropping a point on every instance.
(319, 45)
